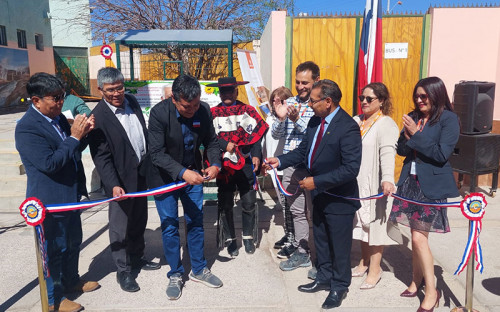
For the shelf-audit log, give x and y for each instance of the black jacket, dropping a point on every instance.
(166, 142)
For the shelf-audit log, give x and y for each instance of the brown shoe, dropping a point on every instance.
(67, 306)
(84, 287)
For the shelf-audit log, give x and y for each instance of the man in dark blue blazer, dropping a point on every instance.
(331, 150)
(51, 153)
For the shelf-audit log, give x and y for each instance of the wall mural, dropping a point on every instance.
(14, 74)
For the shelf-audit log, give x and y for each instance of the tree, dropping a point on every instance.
(246, 18)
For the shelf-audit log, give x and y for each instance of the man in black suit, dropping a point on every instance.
(177, 128)
(118, 146)
(51, 153)
(331, 150)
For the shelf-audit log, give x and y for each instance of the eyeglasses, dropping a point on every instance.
(422, 96)
(56, 98)
(314, 102)
(369, 99)
(117, 89)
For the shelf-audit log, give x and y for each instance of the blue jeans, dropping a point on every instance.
(167, 206)
(63, 237)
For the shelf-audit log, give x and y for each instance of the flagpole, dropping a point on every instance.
(388, 6)
(469, 282)
(41, 279)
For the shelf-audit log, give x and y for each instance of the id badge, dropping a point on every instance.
(413, 169)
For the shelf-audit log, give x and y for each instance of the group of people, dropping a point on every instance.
(326, 156)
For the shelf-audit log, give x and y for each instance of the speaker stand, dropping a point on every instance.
(473, 179)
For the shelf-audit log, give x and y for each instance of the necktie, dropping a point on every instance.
(58, 127)
(318, 139)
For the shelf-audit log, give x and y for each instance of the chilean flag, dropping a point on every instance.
(370, 47)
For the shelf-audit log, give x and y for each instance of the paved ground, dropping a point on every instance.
(251, 282)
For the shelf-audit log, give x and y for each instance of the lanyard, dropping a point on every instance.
(365, 128)
(421, 124)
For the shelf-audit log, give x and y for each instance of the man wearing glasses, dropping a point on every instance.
(118, 147)
(331, 151)
(51, 153)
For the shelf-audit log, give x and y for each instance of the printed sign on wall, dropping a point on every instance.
(397, 50)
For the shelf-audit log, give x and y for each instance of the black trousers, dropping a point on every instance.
(333, 239)
(243, 181)
(127, 223)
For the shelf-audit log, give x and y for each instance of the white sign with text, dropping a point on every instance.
(396, 50)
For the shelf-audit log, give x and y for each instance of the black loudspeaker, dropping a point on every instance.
(476, 153)
(473, 103)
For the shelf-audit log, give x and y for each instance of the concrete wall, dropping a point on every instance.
(273, 50)
(465, 45)
(70, 22)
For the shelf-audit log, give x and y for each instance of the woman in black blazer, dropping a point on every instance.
(427, 140)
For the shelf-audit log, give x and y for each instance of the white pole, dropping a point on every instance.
(388, 6)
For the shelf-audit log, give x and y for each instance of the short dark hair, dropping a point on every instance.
(186, 87)
(308, 66)
(43, 84)
(329, 89)
(382, 93)
(438, 98)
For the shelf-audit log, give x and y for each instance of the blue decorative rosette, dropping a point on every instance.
(472, 207)
(33, 211)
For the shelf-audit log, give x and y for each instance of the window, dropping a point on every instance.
(3, 36)
(21, 39)
(39, 42)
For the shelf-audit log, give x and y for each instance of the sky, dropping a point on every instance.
(357, 6)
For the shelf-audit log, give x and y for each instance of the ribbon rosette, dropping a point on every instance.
(33, 211)
(472, 207)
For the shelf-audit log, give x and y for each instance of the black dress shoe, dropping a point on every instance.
(127, 281)
(249, 246)
(232, 249)
(143, 264)
(334, 299)
(314, 287)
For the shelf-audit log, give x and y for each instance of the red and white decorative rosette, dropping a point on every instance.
(106, 51)
(472, 207)
(33, 211)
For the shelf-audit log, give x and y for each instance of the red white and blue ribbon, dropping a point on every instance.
(255, 185)
(279, 184)
(83, 205)
(377, 196)
(43, 251)
(420, 203)
(33, 211)
(472, 207)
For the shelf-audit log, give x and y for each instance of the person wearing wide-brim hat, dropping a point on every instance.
(239, 130)
(227, 82)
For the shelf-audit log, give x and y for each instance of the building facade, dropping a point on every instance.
(25, 47)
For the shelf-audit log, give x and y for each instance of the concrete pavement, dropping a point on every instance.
(251, 282)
